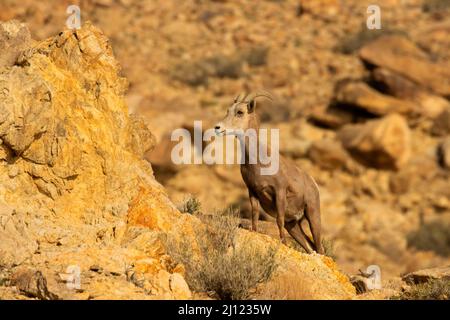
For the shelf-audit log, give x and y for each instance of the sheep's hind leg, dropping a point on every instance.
(297, 233)
(313, 217)
(310, 242)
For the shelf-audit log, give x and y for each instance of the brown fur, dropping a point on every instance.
(290, 195)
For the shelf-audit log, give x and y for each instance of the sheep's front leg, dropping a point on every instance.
(281, 211)
(255, 211)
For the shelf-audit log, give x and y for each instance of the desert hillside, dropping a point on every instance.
(85, 121)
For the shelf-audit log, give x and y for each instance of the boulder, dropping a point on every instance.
(399, 54)
(426, 275)
(382, 143)
(428, 104)
(360, 95)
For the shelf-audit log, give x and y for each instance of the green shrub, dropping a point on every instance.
(191, 205)
(215, 264)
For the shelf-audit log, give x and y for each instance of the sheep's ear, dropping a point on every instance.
(251, 106)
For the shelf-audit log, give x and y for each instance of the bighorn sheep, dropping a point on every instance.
(290, 195)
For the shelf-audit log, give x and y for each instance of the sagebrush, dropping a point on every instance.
(217, 264)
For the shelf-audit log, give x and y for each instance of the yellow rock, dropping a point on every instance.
(76, 197)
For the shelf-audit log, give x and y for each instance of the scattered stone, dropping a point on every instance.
(96, 268)
(400, 182)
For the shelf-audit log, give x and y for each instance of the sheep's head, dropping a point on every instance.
(240, 116)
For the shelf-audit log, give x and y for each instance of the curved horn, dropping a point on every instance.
(263, 94)
(245, 97)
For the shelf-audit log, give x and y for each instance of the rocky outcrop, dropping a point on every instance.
(382, 143)
(71, 160)
(14, 39)
(77, 199)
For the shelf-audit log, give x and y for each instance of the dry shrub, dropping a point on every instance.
(286, 286)
(329, 248)
(216, 264)
(434, 236)
(256, 56)
(197, 73)
(432, 6)
(436, 289)
(4, 277)
(353, 42)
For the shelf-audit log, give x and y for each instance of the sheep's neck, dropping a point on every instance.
(251, 151)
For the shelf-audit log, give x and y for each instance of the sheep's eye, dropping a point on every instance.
(240, 113)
